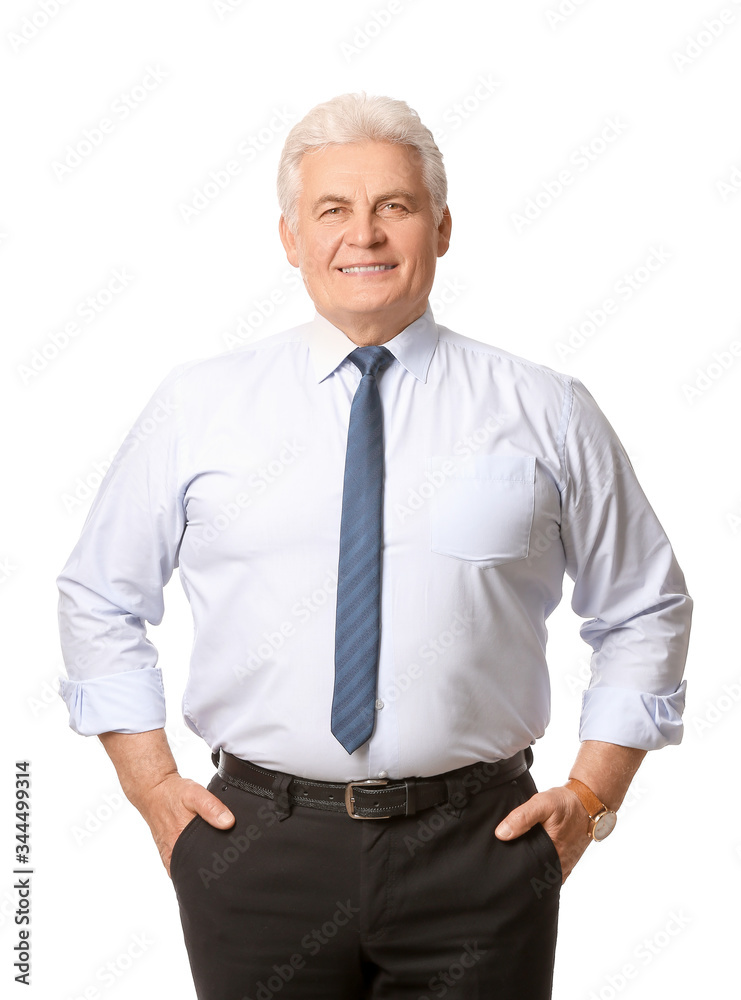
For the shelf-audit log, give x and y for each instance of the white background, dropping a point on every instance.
(553, 84)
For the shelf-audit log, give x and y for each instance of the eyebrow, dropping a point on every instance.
(342, 200)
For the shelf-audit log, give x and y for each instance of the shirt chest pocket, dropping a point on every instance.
(483, 509)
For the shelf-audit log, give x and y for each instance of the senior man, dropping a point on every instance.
(372, 516)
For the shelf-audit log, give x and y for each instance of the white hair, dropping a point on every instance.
(352, 118)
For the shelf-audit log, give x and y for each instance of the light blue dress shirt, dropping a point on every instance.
(501, 475)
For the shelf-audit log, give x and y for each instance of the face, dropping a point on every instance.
(366, 241)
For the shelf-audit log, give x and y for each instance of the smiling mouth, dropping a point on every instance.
(369, 267)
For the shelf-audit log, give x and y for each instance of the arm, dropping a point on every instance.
(113, 581)
(607, 769)
(150, 781)
(110, 587)
(629, 586)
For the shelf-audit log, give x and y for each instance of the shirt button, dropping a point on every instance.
(379, 703)
(383, 774)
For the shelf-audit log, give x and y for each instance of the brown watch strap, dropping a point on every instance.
(587, 797)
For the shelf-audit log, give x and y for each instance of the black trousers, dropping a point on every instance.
(318, 905)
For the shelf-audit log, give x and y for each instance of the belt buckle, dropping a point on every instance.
(350, 799)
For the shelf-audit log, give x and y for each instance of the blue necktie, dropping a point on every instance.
(359, 574)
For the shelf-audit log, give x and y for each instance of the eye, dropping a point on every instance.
(395, 205)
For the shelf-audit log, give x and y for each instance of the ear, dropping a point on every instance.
(443, 232)
(289, 241)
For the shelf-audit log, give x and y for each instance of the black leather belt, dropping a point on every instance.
(372, 798)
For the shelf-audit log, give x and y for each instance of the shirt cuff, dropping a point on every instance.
(632, 718)
(129, 702)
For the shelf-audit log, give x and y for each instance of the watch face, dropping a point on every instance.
(604, 825)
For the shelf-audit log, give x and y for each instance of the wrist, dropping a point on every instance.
(601, 819)
(142, 762)
(142, 794)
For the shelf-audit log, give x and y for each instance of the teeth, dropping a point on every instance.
(375, 267)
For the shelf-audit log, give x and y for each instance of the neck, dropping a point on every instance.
(366, 330)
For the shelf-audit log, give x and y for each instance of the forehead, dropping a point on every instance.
(361, 169)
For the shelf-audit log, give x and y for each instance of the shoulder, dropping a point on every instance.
(503, 365)
(247, 362)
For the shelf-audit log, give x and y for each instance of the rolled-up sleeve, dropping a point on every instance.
(627, 583)
(112, 584)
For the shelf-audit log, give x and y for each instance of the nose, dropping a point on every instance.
(365, 230)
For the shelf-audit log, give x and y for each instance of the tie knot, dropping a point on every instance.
(371, 360)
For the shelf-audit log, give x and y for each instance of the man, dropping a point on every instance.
(372, 516)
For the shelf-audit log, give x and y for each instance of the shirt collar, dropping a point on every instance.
(413, 347)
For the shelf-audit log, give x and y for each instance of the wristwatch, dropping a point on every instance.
(601, 819)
